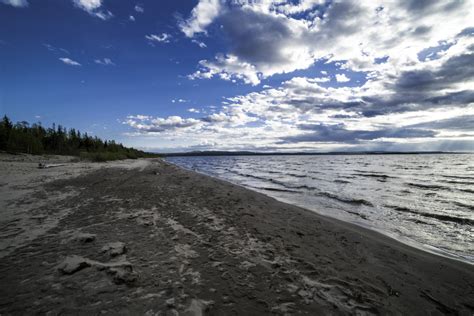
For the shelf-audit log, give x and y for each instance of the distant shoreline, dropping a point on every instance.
(250, 153)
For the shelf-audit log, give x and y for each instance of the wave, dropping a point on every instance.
(373, 175)
(458, 182)
(299, 187)
(344, 199)
(275, 189)
(348, 177)
(459, 177)
(294, 189)
(383, 177)
(357, 214)
(417, 221)
(273, 172)
(428, 186)
(283, 184)
(365, 171)
(441, 217)
(464, 205)
(246, 175)
(341, 181)
(296, 175)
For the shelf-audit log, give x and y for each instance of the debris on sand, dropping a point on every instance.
(73, 264)
(284, 308)
(46, 166)
(121, 270)
(197, 307)
(121, 273)
(84, 237)
(114, 248)
(170, 302)
(70, 236)
(184, 250)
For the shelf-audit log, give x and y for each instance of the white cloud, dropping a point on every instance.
(139, 8)
(201, 16)
(342, 78)
(54, 49)
(92, 7)
(193, 110)
(302, 6)
(179, 101)
(69, 61)
(16, 3)
(88, 5)
(228, 68)
(146, 124)
(275, 37)
(104, 15)
(131, 18)
(321, 79)
(199, 43)
(104, 62)
(163, 38)
(140, 117)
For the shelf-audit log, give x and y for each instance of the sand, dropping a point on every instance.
(145, 237)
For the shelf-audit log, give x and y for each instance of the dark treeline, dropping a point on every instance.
(35, 139)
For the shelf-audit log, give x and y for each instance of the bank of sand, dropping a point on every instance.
(147, 237)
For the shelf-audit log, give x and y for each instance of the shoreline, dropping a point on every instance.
(185, 242)
(371, 231)
(395, 237)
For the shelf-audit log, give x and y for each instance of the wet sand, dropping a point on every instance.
(146, 237)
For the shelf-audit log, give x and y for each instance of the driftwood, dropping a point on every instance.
(45, 166)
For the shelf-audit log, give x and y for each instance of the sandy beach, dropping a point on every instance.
(144, 237)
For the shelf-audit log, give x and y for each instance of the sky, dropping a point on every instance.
(259, 75)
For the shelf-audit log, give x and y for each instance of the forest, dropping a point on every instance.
(57, 140)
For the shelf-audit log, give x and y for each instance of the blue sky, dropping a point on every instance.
(262, 75)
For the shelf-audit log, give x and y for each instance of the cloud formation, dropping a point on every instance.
(139, 8)
(104, 62)
(342, 78)
(201, 16)
(162, 38)
(339, 133)
(69, 61)
(54, 49)
(88, 5)
(424, 103)
(274, 37)
(156, 125)
(93, 8)
(199, 43)
(15, 3)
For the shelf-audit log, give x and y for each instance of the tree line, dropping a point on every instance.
(58, 140)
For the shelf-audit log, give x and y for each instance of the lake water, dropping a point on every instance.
(424, 200)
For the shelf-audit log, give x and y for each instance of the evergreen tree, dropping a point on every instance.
(5, 130)
(35, 139)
